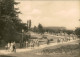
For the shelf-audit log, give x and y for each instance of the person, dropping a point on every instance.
(11, 47)
(14, 46)
(27, 44)
(8, 46)
(20, 44)
(37, 41)
(58, 40)
(48, 41)
(31, 44)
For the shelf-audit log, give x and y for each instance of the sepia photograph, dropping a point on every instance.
(39, 28)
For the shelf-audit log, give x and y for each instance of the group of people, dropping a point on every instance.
(65, 39)
(11, 47)
(31, 43)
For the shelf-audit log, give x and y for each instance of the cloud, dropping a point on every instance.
(68, 13)
(56, 13)
(36, 11)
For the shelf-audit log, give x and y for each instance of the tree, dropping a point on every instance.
(77, 32)
(29, 24)
(35, 29)
(10, 23)
(40, 28)
(68, 31)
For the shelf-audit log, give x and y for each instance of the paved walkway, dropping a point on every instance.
(5, 52)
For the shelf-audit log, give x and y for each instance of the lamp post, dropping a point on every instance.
(22, 37)
(22, 34)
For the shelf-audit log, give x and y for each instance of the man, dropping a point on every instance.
(14, 46)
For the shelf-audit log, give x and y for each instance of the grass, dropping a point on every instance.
(61, 49)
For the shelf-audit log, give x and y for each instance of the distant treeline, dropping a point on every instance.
(51, 29)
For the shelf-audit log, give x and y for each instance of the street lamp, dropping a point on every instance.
(22, 34)
(22, 37)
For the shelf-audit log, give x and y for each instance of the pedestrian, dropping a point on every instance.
(30, 44)
(8, 46)
(20, 44)
(14, 47)
(37, 42)
(24, 44)
(11, 47)
(48, 41)
(27, 44)
(58, 40)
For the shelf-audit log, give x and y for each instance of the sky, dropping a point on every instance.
(50, 13)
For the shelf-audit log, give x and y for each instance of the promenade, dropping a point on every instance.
(5, 52)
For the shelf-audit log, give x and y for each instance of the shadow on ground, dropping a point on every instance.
(6, 56)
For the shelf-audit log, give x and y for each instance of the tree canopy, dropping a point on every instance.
(77, 32)
(10, 24)
(40, 28)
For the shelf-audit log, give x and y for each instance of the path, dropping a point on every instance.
(4, 52)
